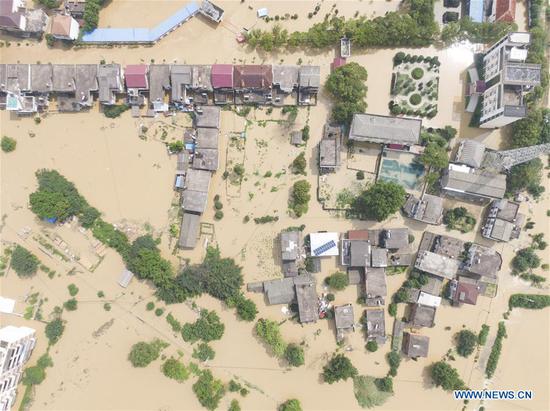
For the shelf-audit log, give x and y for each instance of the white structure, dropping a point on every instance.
(324, 244)
(428, 299)
(508, 79)
(16, 345)
(64, 27)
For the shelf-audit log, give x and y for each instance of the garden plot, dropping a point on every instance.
(414, 87)
(338, 190)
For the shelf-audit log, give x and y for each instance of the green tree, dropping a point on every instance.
(524, 176)
(380, 200)
(246, 309)
(338, 368)
(33, 375)
(54, 330)
(384, 384)
(89, 216)
(50, 4)
(291, 405)
(203, 352)
(435, 156)
(48, 205)
(209, 391)
(529, 130)
(337, 281)
(8, 144)
(208, 327)
(300, 197)
(525, 259)
(268, 331)
(142, 353)
(234, 406)
(73, 290)
(294, 354)
(71, 305)
(347, 87)
(372, 346)
(174, 369)
(394, 359)
(176, 146)
(446, 376)
(299, 164)
(23, 262)
(466, 341)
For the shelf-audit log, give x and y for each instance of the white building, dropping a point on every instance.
(16, 345)
(508, 78)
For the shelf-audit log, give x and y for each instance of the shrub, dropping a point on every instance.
(360, 175)
(268, 331)
(115, 110)
(209, 391)
(218, 205)
(23, 262)
(415, 99)
(495, 351)
(203, 352)
(107, 307)
(175, 370)
(33, 376)
(238, 169)
(8, 144)
(291, 405)
(300, 197)
(372, 346)
(71, 305)
(142, 354)
(218, 215)
(234, 406)
(529, 301)
(54, 330)
(330, 297)
(446, 376)
(465, 342)
(394, 359)
(384, 384)
(176, 146)
(174, 323)
(299, 164)
(417, 73)
(246, 309)
(208, 327)
(150, 306)
(392, 309)
(305, 133)
(73, 289)
(294, 354)
(338, 368)
(525, 259)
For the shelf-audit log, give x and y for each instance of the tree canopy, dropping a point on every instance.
(380, 200)
(337, 281)
(525, 259)
(446, 376)
(175, 370)
(291, 405)
(338, 368)
(268, 331)
(435, 156)
(23, 262)
(208, 327)
(347, 87)
(54, 330)
(300, 197)
(8, 144)
(525, 176)
(466, 341)
(142, 353)
(294, 354)
(209, 390)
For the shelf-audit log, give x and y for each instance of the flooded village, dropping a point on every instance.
(196, 218)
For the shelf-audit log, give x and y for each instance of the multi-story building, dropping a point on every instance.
(16, 345)
(508, 78)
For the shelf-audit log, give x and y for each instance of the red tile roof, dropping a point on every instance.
(253, 76)
(466, 293)
(222, 75)
(505, 10)
(358, 235)
(136, 76)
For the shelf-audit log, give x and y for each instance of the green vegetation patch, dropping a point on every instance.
(367, 394)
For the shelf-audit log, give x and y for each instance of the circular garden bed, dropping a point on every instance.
(415, 99)
(417, 73)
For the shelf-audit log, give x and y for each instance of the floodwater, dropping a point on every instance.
(130, 180)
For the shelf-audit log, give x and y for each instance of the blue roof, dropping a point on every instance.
(475, 11)
(140, 35)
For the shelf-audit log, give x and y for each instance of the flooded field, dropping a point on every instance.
(130, 180)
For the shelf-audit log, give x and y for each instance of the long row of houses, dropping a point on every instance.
(26, 88)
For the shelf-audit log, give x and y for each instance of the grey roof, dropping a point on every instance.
(290, 245)
(422, 315)
(41, 78)
(448, 246)
(206, 159)
(429, 209)
(189, 231)
(385, 129)
(210, 117)
(310, 76)
(400, 258)
(180, 76)
(506, 210)
(290, 268)
(379, 257)
(286, 77)
(394, 238)
(18, 77)
(375, 282)
(355, 275)
(359, 253)
(343, 316)
(86, 81)
(3, 77)
(280, 291)
(109, 81)
(306, 295)
(125, 278)
(207, 137)
(183, 162)
(64, 78)
(194, 201)
(37, 20)
(415, 345)
(521, 74)
(198, 180)
(483, 261)
(437, 264)
(476, 183)
(433, 286)
(502, 230)
(329, 152)
(296, 138)
(200, 79)
(159, 81)
(376, 326)
(471, 153)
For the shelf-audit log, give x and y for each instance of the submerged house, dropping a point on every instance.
(201, 84)
(159, 84)
(137, 81)
(222, 83)
(474, 185)
(461, 292)
(343, 319)
(329, 149)
(379, 129)
(16, 19)
(189, 230)
(110, 84)
(309, 84)
(437, 264)
(291, 252)
(64, 27)
(375, 286)
(195, 196)
(180, 81)
(427, 209)
(376, 326)
(285, 85)
(252, 84)
(422, 316)
(415, 345)
(503, 222)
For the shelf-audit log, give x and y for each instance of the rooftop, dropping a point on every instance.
(290, 245)
(422, 316)
(471, 153)
(252, 76)
(395, 238)
(329, 153)
(207, 138)
(306, 295)
(198, 180)
(474, 182)
(522, 74)
(189, 231)
(343, 316)
(180, 77)
(385, 129)
(324, 244)
(429, 209)
(159, 81)
(506, 210)
(466, 293)
(63, 78)
(280, 291)
(136, 76)
(209, 117)
(376, 325)
(222, 75)
(194, 201)
(437, 264)
(483, 261)
(415, 345)
(310, 76)
(286, 77)
(359, 253)
(201, 77)
(379, 257)
(41, 78)
(206, 159)
(375, 282)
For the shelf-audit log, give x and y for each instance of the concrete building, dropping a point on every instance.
(309, 84)
(291, 252)
(474, 185)
(437, 264)
(64, 27)
(329, 149)
(189, 230)
(195, 195)
(482, 261)
(422, 316)
(470, 153)
(509, 78)
(344, 321)
(16, 19)
(375, 286)
(109, 78)
(16, 346)
(427, 209)
(376, 326)
(415, 345)
(180, 80)
(461, 292)
(503, 222)
(208, 117)
(159, 84)
(502, 10)
(285, 85)
(385, 129)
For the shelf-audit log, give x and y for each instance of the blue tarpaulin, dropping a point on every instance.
(140, 35)
(52, 220)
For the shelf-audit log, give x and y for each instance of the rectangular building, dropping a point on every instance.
(385, 129)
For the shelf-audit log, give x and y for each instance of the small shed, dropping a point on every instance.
(379, 257)
(415, 345)
(422, 316)
(125, 278)
(296, 138)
